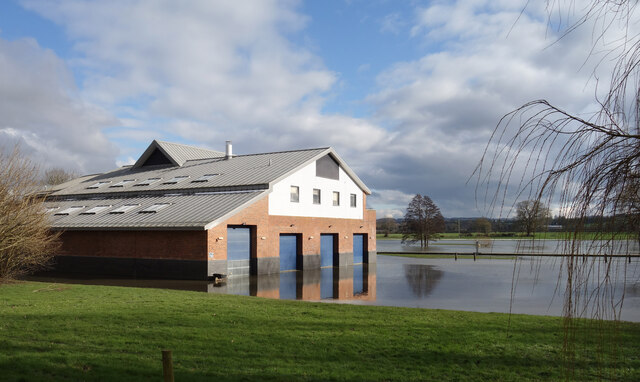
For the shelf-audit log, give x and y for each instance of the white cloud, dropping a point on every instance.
(41, 110)
(485, 59)
(208, 71)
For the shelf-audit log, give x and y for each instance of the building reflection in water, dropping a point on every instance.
(356, 282)
(422, 278)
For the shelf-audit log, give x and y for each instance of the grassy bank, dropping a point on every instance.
(78, 332)
(520, 235)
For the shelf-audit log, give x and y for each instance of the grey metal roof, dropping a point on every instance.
(195, 211)
(242, 171)
(177, 153)
(237, 182)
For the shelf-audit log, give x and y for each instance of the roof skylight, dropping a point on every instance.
(148, 181)
(154, 208)
(69, 210)
(99, 184)
(95, 210)
(176, 179)
(123, 209)
(204, 178)
(122, 183)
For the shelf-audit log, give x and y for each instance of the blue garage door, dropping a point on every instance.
(326, 250)
(238, 250)
(288, 252)
(358, 248)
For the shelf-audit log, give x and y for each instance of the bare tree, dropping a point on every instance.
(26, 242)
(57, 175)
(586, 165)
(532, 215)
(422, 222)
(482, 225)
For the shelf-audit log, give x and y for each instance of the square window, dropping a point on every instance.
(176, 179)
(204, 178)
(98, 184)
(295, 194)
(316, 196)
(353, 200)
(148, 181)
(122, 183)
(154, 208)
(123, 209)
(69, 210)
(336, 198)
(94, 210)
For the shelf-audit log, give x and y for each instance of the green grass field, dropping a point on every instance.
(51, 332)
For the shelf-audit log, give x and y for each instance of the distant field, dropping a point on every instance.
(519, 235)
(61, 332)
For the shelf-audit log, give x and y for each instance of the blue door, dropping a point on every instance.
(326, 250)
(238, 250)
(358, 248)
(288, 252)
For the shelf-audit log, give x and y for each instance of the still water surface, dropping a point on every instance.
(527, 246)
(484, 285)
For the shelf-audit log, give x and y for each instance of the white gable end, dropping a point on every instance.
(306, 180)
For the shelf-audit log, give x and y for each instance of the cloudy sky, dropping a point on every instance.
(408, 93)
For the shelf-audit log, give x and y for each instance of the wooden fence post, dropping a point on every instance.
(167, 366)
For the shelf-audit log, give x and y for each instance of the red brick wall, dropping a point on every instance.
(269, 228)
(183, 245)
(194, 245)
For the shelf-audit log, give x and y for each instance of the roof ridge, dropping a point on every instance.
(189, 146)
(256, 154)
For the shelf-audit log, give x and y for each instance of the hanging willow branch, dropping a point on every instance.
(587, 166)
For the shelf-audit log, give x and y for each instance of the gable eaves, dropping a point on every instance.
(336, 157)
(155, 145)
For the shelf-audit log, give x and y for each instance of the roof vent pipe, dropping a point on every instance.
(229, 150)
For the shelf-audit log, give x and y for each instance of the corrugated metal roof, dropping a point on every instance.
(252, 174)
(177, 153)
(257, 170)
(184, 212)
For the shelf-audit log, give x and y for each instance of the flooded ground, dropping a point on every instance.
(511, 246)
(484, 285)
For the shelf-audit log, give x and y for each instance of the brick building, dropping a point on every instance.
(189, 213)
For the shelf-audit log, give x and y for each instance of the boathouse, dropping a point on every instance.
(189, 213)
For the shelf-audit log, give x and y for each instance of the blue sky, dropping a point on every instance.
(407, 92)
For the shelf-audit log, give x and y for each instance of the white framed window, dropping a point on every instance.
(316, 196)
(95, 210)
(154, 208)
(98, 184)
(70, 210)
(176, 179)
(148, 181)
(353, 200)
(295, 194)
(336, 198)
(122, 183)
(204, 178)
(125, 208)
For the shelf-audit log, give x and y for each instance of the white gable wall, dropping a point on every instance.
(306, 179)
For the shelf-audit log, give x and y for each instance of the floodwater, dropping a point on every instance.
(529, 285)
(527, 246)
